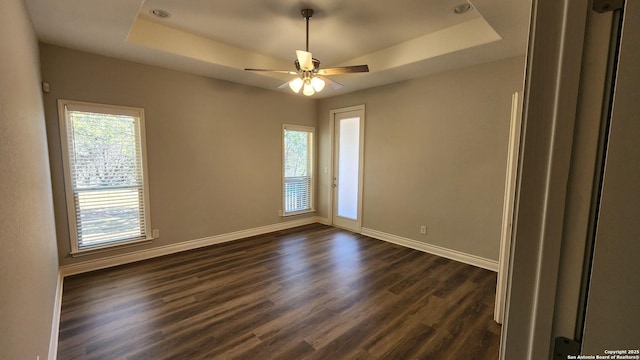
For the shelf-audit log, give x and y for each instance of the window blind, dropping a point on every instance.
(297, 194)
(107, 177)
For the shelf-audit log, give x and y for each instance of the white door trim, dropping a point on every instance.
(550, 100)
(508, 207)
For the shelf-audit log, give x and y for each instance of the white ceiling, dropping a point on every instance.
(399, 40)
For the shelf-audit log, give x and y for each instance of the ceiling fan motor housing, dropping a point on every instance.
(316, 66)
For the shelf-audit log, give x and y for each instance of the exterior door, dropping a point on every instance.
(348, 145)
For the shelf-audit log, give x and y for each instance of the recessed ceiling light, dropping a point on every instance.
(462, 8)
(163, 14)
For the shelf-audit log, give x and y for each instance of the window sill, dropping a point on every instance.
(303, 212)
(110, 247)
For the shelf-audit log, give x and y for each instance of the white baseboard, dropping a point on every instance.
(433, 249)
(110, 261)
(55, 323)
(116, 260)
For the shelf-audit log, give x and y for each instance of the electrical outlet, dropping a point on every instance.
(423, 229)
(156, 233)
(279, 212)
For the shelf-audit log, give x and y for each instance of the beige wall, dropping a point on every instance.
(435, 154)
(214, 147)
(435, 149)
(28, 261)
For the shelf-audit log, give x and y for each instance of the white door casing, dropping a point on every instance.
(508, 208)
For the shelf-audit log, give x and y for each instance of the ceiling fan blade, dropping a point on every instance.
(305, 59)
(283, 85)
(334, 84)
(275, 71)
(344, 70)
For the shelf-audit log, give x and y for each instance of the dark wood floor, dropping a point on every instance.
(313, 292)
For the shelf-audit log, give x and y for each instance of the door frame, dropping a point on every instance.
(605, 325)
(552, 82)
(508, 207)
(332, 115)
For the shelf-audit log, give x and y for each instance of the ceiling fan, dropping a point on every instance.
(310, 77)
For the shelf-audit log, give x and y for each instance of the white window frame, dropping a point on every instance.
(311, 164)
(64, 106)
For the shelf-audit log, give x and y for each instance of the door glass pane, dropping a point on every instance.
(348, 166)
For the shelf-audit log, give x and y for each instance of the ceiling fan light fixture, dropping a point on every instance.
(317, 83)
(308, 88)
(296, 84)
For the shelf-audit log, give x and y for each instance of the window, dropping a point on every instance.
(297, 169)
(105, 174)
